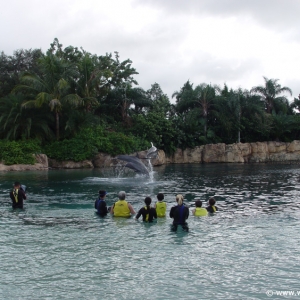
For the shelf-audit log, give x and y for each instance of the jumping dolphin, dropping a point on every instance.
(134, 163)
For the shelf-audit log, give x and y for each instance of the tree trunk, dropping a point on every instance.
(239, 132)
(57, 125)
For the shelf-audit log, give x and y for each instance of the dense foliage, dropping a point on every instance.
(19, 152)
(90, 141)
(75, 104)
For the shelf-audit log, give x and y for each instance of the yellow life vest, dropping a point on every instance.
(161, 208)
(214, 208)
(15, 193)
(121, 209)
(147, 215)
(200, 212)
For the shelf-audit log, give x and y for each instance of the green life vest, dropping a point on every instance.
(15, 193)
(161, 208)
(147, 215)
(121, 209)
(200, 212)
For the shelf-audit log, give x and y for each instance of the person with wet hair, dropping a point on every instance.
(211, 208)
(148, 212)
(100, 204)
(180, 214)
(122, 208)
(160, 205)
(17, 195)
(199, 211)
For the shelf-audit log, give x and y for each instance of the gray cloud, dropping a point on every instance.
(159, 48)
(279, 15)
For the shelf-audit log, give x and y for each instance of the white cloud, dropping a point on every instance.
(169, 41)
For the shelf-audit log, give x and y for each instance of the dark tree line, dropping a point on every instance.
(55, 96)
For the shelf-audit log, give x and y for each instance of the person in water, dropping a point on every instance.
(122, 208)
(199, 211)
(17, 195)
(180, 214)
(160, 205)
(211, 208)
(148, 212)
(100, 204)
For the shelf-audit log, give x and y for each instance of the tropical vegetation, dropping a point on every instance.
(71, 104)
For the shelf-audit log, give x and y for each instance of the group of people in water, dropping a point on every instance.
(178, 213)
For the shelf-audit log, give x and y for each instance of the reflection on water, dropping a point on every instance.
(58, 248)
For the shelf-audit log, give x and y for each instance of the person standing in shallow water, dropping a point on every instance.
(199, 211)
(160, 206)
(122, 208)
(148, 212)
(211, 208)
(100, 204)
(180, 214)
(17, 195)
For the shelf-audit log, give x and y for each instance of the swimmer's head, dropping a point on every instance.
(198, 203)
(212, 201)
(102, 193)
(160, 196)
(17, 184)
(148, 201)
(179, 199)
(122, 195)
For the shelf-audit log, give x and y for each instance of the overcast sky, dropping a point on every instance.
(236, 42)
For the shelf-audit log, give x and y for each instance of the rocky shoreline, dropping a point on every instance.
(259, 152)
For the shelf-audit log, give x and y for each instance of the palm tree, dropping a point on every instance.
(185, 92)
(93, 80)
(270, 93)
(52, 87)
(188, 99)
(204, 96)
(17, 123)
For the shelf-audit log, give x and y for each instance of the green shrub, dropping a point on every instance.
(93, 140)
(21, 152)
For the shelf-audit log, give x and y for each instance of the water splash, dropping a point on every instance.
(119, 170)
(150, 169)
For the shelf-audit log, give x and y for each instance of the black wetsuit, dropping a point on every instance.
(210, 209)
(180, 214)
(101, 207)
(144, 212)
(20, 195)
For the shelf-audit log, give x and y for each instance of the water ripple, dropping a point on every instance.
(58, 248)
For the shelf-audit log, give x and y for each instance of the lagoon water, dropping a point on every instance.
(58, 248)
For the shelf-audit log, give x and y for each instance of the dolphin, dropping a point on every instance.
(134, 163)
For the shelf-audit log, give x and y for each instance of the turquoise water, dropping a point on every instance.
(58, 248)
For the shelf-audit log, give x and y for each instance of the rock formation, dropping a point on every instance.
(259, 152)
(41, 164)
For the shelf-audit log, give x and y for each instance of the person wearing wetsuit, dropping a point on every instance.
(100, 204)
(160, 206)
(17, 195)
(180, 214)
(211, 208)
(199, 211)
(122, 208)
(148, 212)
